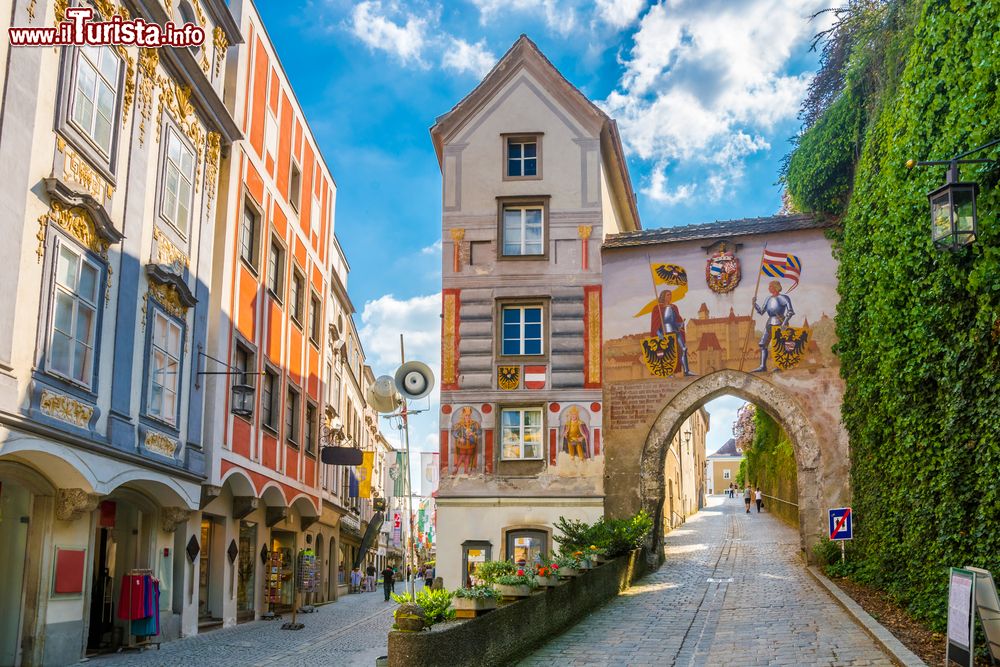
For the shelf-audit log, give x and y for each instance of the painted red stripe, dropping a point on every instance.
(597, 442)
(552, 446)
(489, 450)
(444, 451)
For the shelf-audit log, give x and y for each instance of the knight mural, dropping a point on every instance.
(787, 343)
(575, 434)
(466, 433)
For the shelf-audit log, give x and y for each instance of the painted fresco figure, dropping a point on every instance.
(575, 435)
(665, 319)
(467, 435)
(778, 308)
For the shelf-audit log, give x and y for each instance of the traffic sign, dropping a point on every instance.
(841, 524)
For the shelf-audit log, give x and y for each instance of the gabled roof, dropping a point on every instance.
(525, 54)
(728, 449)
(717, 229)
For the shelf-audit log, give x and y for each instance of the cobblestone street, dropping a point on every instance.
(733, 591)
(351, 631)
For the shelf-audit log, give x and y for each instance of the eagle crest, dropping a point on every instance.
(671, 274)
(660, 354)
(508, 377)
(788, 345)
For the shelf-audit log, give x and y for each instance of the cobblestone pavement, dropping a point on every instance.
(351, 631)
(733, 591)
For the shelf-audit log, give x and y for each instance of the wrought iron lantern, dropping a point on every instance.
(242, 400)
(953, 213)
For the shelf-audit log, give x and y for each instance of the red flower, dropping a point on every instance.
(554, 566)
(520, 573)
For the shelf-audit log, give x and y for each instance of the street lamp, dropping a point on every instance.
(687, 439)
(954, 221)
(242, 400)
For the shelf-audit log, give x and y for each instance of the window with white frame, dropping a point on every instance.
(522, 230)
(522, 157)
(314, 315)
(314, 215)
(297, 295)
(292, 416)
(76, 290)
(248, 235)
(310, 429)
(521, 433)
(726, 474)
(521, 330)
(95, 94)
(268, 396)
(178, 182)
(275, 269)
(295, 186)
(164, 368)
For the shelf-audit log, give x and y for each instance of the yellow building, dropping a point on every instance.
(722, 467)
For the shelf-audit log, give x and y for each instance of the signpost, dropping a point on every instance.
(961, 617)
(841, 527)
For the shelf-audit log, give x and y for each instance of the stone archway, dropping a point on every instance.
(634, 475)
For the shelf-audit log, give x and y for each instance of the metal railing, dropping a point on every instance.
(780, 500)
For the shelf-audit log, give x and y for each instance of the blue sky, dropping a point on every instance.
(706, 94)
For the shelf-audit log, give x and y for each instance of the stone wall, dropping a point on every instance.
(503, 635)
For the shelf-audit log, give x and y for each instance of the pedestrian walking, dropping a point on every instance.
(746, 497)
(388, 579)
(371, 577)
(355, 580)
(760, 499)
(429, 577)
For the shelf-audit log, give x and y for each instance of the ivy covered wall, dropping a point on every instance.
(918, 328)
(770, 464)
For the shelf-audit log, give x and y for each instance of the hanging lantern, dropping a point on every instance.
(953, 214)
(242, 400)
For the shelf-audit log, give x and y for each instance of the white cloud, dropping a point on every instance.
(559, 16)
(619, 13)
(371, 23)
(658, 191)
(461, 56)
(704, 80)
(432, 249)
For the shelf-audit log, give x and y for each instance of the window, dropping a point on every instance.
(314, 214)
(187, 16)
(164, 368)
(522, 330)
(522, 230)
(726, 474)
(178, 182)
(95, 94)
(275, 269)
(522, 157)
(297, 295)
(522, 433)
(525, 547)
(310, 429)
(243, 362)
(248, 235)
(295, 187)
(74, 315)
(335, 396)
(270, 134)
(268, 393)
(292, 416)
(314, 315)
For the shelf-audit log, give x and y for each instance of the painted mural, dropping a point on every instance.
(682, 310)
(467, 439)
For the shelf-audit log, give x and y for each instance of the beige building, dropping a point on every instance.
(684, 471)
(722, 467)
(533, 179)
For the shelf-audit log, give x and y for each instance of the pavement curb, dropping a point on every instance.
(883, 637)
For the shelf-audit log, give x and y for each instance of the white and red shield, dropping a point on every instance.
(722, 271)
(534, 377)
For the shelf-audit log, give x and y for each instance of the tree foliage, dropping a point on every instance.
(917, 327)
(770, 464)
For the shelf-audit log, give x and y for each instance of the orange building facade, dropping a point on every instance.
(270, 286)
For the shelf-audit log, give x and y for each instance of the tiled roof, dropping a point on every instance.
(716, 230)
(728, 449)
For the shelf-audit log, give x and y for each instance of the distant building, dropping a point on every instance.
(684, 470)
(722, 467)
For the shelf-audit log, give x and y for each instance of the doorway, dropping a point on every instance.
(15, 510)
(283, 542)
(247, 572)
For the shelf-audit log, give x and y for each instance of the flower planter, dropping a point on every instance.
(476, 604)
(565, 572)
(600, 558)
(584, 564)
(521, 591)
(547, 582)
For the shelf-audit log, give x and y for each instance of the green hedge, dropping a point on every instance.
(917, 327)
(770, 464)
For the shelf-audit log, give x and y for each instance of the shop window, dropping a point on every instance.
(526, 547)
(474, 554)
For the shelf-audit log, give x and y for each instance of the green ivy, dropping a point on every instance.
(770, 464)
(916, 326)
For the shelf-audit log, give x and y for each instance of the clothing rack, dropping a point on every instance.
(134, 645)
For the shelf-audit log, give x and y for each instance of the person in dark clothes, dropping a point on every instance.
(388, 579)
(371, 576)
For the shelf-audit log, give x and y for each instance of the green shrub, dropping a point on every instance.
(826, 551)
(436, 604)
(613, 537)
(491, 570)
(477, 593)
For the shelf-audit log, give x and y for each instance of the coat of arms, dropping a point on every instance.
(508, 377)
(788, 345)
(660, 354)
(722, 270)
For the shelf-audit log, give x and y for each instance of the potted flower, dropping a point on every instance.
(517, 585)
(567, 566)
(547, 574)
(582, 560)
(475, 599)
(597, 554)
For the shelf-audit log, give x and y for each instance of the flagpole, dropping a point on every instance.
(753, 309)
(411, 566)
(656, 297)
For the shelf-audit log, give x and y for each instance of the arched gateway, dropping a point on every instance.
(742, 308)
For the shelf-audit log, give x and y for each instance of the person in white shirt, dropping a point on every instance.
(760, 499)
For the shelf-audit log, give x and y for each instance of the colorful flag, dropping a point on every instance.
(781, 265)
(365, 474)
(430, 469)
(352, 486)
(397, 472)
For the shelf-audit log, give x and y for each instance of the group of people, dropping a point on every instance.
(749, 493)
(365, 582)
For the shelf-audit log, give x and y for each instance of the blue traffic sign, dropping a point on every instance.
(841, 524)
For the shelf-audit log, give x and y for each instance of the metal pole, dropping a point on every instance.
(843, 552)
(411, 564)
